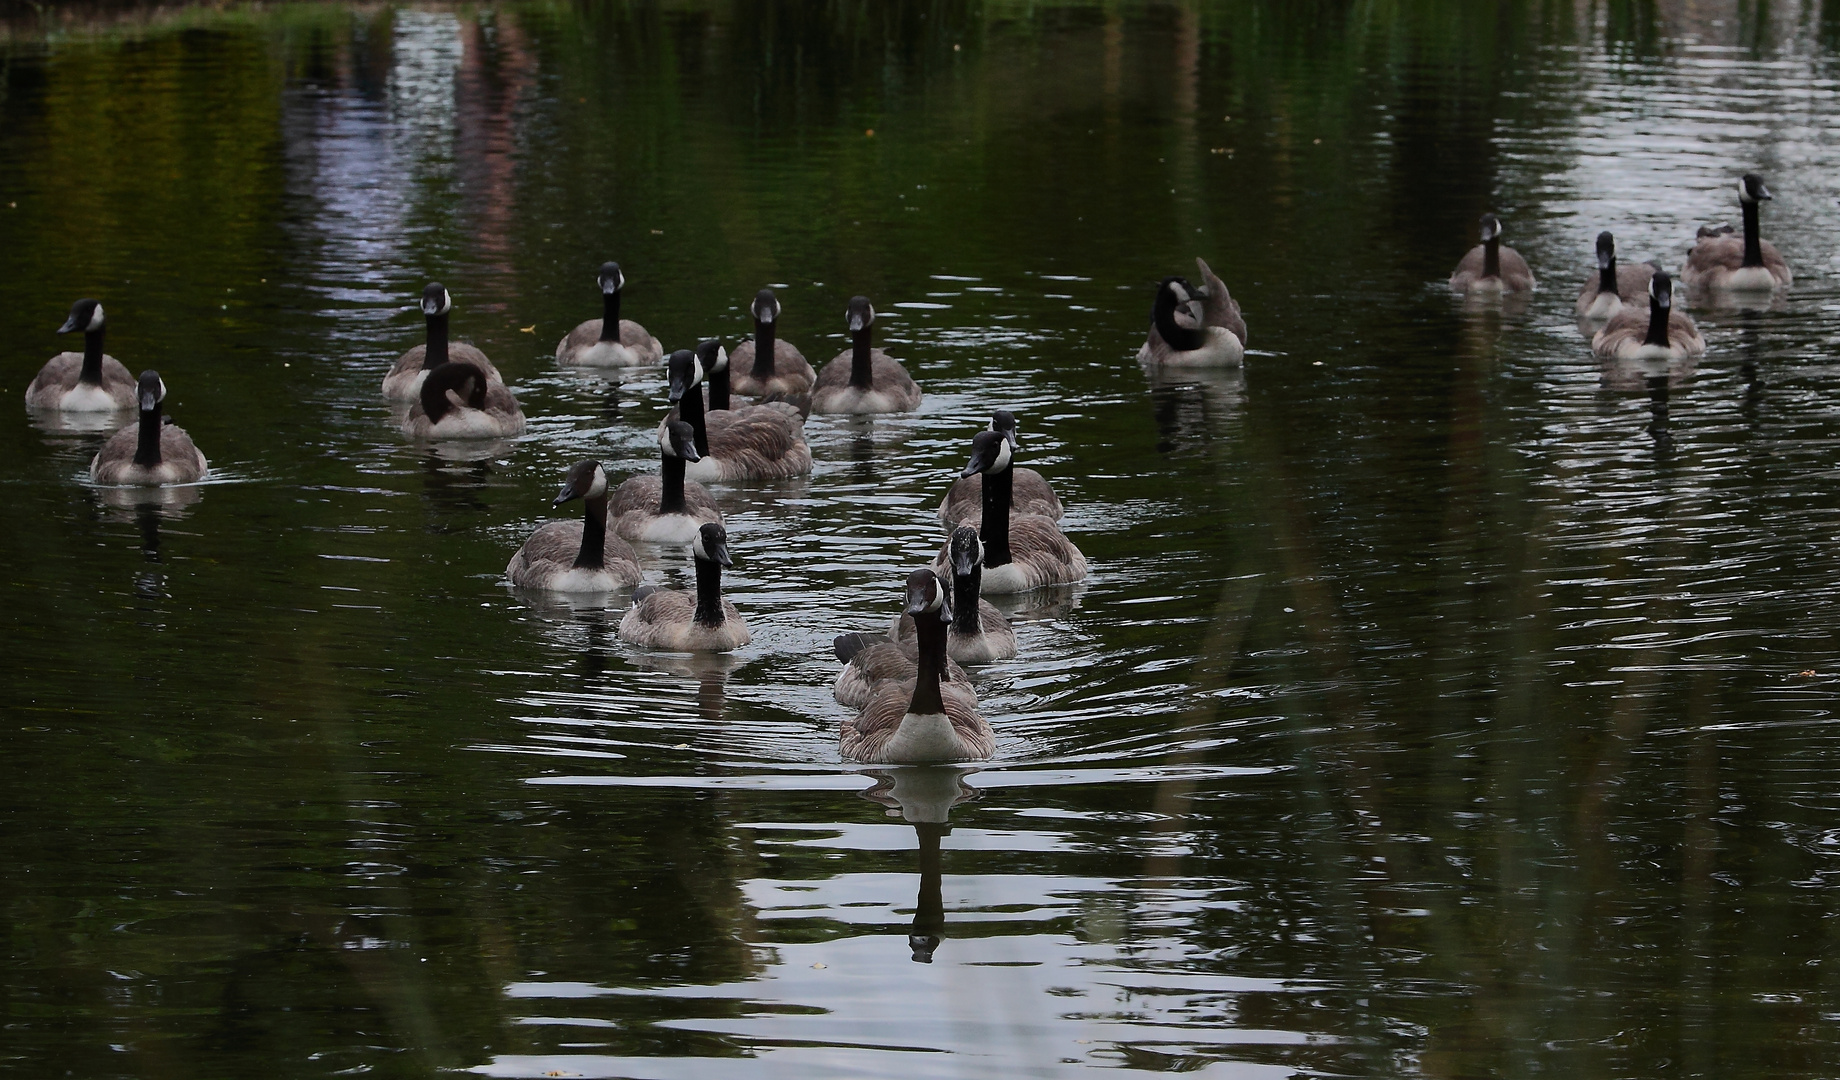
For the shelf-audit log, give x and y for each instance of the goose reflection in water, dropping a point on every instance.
(924, 795)
(149, 508)
(454, 478)
(1193, 407)
(710, 670)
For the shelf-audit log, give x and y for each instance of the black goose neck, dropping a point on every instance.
(610, 316)
(593, 553)
(765, 341)
(1606, 276)
(671, 491)
(965, 602)
(995, 527)
(1179, 337)
(436, 354)
(862, 362)
(147, 450)
(930, 634)
(709, 592)
(690, 411)
(92, 357)
(929, 907)
(718, 390)
(1753, 244)
(1657, 324)
(1491, 257)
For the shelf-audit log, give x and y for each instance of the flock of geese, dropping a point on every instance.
(740, 416)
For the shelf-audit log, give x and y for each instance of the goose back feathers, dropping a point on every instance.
(1192, 327)
(460, 401)
(1743, 262)
(759, 442)
(1491, 266)
(1660, 333)
(665, 508)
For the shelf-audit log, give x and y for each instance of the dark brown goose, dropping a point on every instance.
(404, 382)
(576, 556)
(459, 401)
(1613, 285)
(1491, 267)
(1029, 492)
(864, 379)
(90, 381)
(685, 622)
(1021, 551)
(768, 367)
(930, 718)
(1738, 263)
(759, 442)
(609, 341)
(665, 508)
(153, 453)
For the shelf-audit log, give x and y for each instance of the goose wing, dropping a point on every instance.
(762, 440)
(1218, 307)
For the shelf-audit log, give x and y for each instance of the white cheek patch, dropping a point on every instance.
(162, 396)
(1003, 457)
(95, 319)
(697, 546)
(721, 359)
(599, 486)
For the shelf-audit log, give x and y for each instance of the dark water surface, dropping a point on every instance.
(1441, 703)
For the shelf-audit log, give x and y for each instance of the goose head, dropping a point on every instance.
(678, 439)
(1490, 226)
(1661, 289)
(765, 307)
(1606, 250)
(587, 480)
(928, 594)
(712, 356)
(967, 551)
(85, 315)
(1751, 189)
(989, 453)
(860, 314)
(711, 545)
(1004, 422)
(686, 373)
(466, 381)
(1179, 300)
(152, 390)
(435, 299)
(610, 279)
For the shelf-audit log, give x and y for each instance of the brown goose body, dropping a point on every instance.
(864, 379)
(576, 556)
(459, 401)
(1717, 263)
(635, 514)
(1595, 302)
(1192, 327)
(1030, 494)
(1491, 266)
(406, 376)
(1663, 332)
(931, 718)
(180, 461)
(791, 375)
(883, 662)
(634, 347)
(758, 442)
(666, 619)
(60, 385)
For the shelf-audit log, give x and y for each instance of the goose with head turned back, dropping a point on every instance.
(717, 363)
(459, 401)
(759, 442)
(1613, 285)
(1029, 491)
(1192, 327)
(404, 382)
(609, 341)
(1738, 263)
(769, 367)
(1491, 266)
(930, 718)
(1660, 333)
(90, 381)
(864, 379)
(665, 508)
(681, 622)
(576, 556)
(153, 453)
(1021, 551)
(979, 632)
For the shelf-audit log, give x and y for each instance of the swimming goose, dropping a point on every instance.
(1661, 333)
(864, 379)
(767, 366)
(759, 442)
(716, 376)
(1021, 551)
(459, 401)
(609, 341)
(869, 660)
(576, 556)
(979, 631)
(1738, 263)
(1029, 492)
(929, 718)
(1605, 292)
(153, 453)
(1192, 327)
(680, 622)
(404, 382)
(665, 509)
(89, 381)
(1491, 268)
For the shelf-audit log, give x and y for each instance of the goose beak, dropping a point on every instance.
(149, 400)
(917, 599)
(688, 453)
(721, 556)
(679, 387)
(568, 492)
(964, 561)
(69, 325)
(980, 461)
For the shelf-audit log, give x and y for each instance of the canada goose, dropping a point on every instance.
(864, 379)
(767, 366)
(1605, 292)
(1029, 492)
(609, 341)
(716, 376)
(929, 718)
(759, 442)
(1192, 327)
(666, 619)
(1662, 333)
(1491, 268)
(1021, 551)
(665, 508)
(576, 556)
(459, 401)
(1738, 263)
(869, 660)
(979, 631)
(153, 453)
(404, 382)
(89, 381)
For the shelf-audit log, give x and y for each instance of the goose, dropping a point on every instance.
(930, 718)
(89, 381)
(460, 401)
(1605, 292)
(767, 366)
(576, 556)
(666, 508)
(716, 377)
(609, 341)
(869, 660)
(1021, 551)
(404, 382)
(864, 379)
(680, 622)
(759, 442)
(1192, 327)
(1491, 268)
(153, 453)
(979, 631)
(1029, 492)
(1661, 334)
(1723, 261)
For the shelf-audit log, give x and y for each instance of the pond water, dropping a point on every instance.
(1442, 702)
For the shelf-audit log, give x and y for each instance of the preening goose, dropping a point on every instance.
(1660, 333)
(680, 622)
(1491, 267)
(759, 442)
(576, 556)
(864, 379)
(1021, 551)
(928, 719)
(1745, 263)
(89, 381)
(609, 341)
(1029, 492)
(1192, 327)
(1613, 285)
(404, 382)
(979, 632)
(717, 363)
(666, 508)
(768, 367)
(459, 401)
(152, 453)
